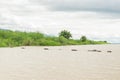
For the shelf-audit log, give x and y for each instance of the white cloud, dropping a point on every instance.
(36, 16)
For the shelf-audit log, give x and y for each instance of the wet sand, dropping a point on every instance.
(60, 63)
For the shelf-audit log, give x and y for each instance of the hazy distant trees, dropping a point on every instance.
(66, 34)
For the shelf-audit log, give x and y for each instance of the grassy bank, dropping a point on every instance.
(10, 38)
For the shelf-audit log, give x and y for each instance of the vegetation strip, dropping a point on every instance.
(10, 38)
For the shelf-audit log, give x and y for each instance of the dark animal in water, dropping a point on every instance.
(74, 49)
(109, 51)
(46, 49)
(22, 47)
(94, 50)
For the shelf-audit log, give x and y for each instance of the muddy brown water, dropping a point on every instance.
(60, 63)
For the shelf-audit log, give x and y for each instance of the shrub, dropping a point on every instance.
(45, 42)
(63, 40)
(27, 42)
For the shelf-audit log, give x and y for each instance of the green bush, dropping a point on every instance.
(63, 40)
(28, 41)
(44, 42)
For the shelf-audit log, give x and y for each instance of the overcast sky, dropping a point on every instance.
(97, 19)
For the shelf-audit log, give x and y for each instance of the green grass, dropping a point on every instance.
(10, 38)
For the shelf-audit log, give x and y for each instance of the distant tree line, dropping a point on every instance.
(10, 38)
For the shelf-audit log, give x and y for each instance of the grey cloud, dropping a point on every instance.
(81, 5)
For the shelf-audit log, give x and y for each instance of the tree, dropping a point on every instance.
(66, 34)
(83, 39)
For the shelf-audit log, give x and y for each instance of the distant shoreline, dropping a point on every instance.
(10, 38)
